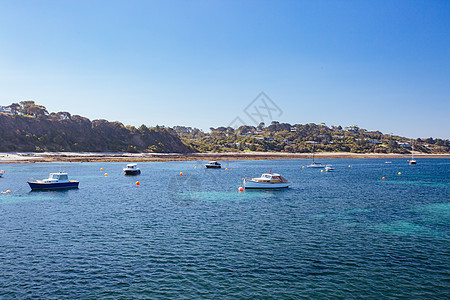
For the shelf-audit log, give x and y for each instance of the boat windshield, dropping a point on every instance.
(63, 177)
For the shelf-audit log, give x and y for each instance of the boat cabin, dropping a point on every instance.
(132, 166)
(57, 177)
(272, 178)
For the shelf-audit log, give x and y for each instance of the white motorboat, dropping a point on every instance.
(213, 165)
(329, 168)
(267, 181)
(132, 169)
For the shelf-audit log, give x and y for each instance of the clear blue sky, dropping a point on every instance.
(381, 65)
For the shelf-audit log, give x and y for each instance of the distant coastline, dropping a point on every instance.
(31, 157)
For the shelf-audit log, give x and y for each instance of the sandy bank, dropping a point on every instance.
(140, 157)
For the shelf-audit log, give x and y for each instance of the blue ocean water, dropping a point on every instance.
(343, 234)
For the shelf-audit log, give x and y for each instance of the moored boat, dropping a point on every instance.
(329, 168)
(213, 165)
(54, 182)
(132, 169)
(267, 181)
(412, 161)
(315, 164)
(2, 172)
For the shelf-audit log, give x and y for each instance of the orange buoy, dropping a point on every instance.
(106, 174)
(303, 167)
(226, 169)
(399, 173)
(181, 173)
(349, 166)
(138, 183)
(8, 191)
(383, 178)
(241, 189)
(195, 167)
(101, 169)
(321, 170)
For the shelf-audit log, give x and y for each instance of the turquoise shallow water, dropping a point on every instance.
(346, 234)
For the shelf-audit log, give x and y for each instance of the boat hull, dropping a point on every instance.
(213, 167)
(315, 166)
(262, 185)
(53, 186)
(132, 172)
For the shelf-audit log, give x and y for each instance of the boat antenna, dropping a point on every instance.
(270, 172)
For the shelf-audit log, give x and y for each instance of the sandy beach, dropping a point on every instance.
(31, 157)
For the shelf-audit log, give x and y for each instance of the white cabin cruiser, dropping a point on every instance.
(132, 169)
(267, 181)
(213, 165)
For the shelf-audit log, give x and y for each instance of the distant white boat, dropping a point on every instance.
(329, 168)
(213, 165)
(132, 169)
(412, 161)
(315, 164)
(267, 181)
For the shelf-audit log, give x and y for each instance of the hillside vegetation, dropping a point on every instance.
(30, 128)
(298, 138)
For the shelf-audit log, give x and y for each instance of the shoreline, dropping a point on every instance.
(31, 157)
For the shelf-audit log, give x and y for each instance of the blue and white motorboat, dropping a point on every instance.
(55, 181)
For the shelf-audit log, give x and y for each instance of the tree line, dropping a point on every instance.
(302, 138)
(29, 127)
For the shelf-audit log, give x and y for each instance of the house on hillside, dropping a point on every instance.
(404, 144)
(375, 142)
(5, 111)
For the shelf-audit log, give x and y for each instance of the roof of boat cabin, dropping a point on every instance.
(271, 174)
